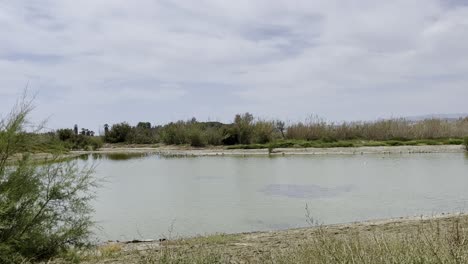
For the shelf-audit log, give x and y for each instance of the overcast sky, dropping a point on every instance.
(104, 61)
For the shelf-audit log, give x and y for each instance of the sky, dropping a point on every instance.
(92, 62)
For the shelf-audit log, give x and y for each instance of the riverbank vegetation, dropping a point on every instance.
(348, 143)
(44, 208)
(247, 132)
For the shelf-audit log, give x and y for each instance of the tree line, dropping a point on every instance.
(245, 129)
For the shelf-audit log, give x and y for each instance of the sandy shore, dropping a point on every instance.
(250, 247)
(184, 151)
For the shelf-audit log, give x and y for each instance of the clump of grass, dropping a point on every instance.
(110, 249)
(168, 256)
(424, 243)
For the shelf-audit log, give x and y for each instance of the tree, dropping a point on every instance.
(44, 209)
(65, 134)
(118, 133)
(106, 129)
(244, 128)
(144, 125)
(280, 126)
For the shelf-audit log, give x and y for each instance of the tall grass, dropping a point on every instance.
(424, 243)
(399, 129)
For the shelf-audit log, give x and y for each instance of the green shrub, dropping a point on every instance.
(83, 142)
(340, 144)
(394, 143)
(243, 125)
(452, 141)
(264, 132)
(213, 136)
(175, 133)
(44, 209)
(283, 144)
(196, 138)
(94, 143)
(118, 133)
(465, 142)
(65, 134)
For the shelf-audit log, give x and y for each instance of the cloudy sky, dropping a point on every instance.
(104, 61)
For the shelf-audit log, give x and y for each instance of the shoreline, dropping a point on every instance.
(216, 151)
(253, 247)
(403, 220)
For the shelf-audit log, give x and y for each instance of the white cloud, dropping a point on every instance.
(94, 62)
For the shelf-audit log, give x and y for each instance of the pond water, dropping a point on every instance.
(150, 196)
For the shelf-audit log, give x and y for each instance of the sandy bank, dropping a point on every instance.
(254, 246)
(174, 150)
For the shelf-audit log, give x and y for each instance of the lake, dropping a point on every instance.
(152, 196)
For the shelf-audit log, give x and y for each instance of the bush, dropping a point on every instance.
(174, 133)
(94, 143)
(44, 209)
(243, 125)
(118, 133)
(65, 134)
(465, 142)
(196, 138)
(264, 132)
(79, 142)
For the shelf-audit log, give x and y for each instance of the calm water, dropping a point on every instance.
(152, 196)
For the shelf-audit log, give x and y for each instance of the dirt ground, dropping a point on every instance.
(252, 247)
(220, 151)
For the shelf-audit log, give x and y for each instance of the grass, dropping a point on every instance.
(347, 143)
(439, 240)
(424, 244)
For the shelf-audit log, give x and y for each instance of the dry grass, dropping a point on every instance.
(399, 129)
(442, 240)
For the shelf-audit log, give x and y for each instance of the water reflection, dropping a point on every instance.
(118, 156)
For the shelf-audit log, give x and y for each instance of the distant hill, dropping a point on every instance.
(437, 116)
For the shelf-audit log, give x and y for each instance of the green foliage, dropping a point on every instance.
(264, 132)
(65, 134)
(214, 136)
(118, 133)
(291, 143)
(175, 133)
(93, 143)
(314, 132)
(465, 143)
(143, 133)
(195, 138)
(74, 141)
(243, 125)
(44, 209)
